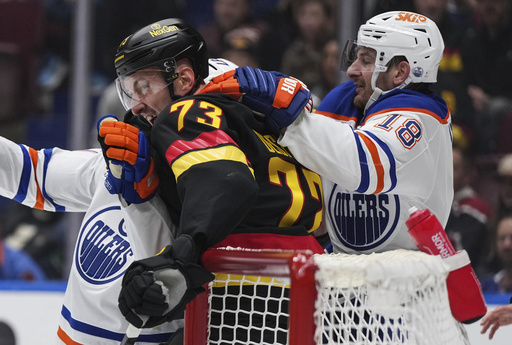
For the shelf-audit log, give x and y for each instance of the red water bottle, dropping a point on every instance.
(428, 234)
(467, 302)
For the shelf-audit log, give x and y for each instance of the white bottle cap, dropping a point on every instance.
(412, 210)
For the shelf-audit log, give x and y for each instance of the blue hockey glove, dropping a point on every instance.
(278, 97)
(161, 286)
(131, 171)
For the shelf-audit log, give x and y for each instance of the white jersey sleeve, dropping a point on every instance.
(49, 179)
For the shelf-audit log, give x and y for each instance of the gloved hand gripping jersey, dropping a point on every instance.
(279, 97)
(131, 171)
(161, 286)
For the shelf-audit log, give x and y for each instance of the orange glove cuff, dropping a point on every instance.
(286, 90)
(149, 183)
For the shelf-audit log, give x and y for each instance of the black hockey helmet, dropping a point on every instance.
(161, 45)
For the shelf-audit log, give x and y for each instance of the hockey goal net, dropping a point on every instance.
(286, 297)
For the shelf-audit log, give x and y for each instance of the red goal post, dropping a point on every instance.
(388, 298)
(297, 265)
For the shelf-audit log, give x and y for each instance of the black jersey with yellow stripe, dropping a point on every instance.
(221, 172)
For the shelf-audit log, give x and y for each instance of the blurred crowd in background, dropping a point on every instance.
(297, 37)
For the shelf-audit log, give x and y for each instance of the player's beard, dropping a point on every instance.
(361, 98)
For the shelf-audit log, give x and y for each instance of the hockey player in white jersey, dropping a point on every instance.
(382, 141)
(112, 234)
(73, 181)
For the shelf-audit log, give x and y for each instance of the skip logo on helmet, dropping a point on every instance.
(411, 17)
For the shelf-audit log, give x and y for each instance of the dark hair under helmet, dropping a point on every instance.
(161, 44)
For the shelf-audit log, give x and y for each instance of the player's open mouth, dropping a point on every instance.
(150, 119)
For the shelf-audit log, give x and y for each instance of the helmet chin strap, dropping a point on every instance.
(375, 95)
(377, 92)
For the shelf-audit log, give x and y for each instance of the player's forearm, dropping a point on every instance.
(11, 168)
(49, 179)
(327, 147)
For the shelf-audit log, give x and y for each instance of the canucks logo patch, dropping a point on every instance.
(103, 252)
(362, 221)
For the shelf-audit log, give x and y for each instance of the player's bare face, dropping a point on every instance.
(147, 93)
(505, 191)
(361, 71)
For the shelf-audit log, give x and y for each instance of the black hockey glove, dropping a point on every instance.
(161, 286)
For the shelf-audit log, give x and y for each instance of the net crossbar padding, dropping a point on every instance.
(287, 297)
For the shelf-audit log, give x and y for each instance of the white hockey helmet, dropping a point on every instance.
(400, 33)
(217, 67)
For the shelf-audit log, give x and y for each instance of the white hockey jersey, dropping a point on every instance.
(110, 238)
(375, 168)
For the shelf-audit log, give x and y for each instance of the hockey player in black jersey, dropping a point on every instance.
(222, 175)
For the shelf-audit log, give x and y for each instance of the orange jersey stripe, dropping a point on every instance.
(416, 110)
(336, 116)
(39, 198)
(65, 338)
(376, 162)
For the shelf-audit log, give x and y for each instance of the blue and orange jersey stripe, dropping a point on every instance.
(441, 119)
(372, 144)
(30, 163)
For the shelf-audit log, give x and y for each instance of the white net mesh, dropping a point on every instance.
(248, 310)
(397, 297)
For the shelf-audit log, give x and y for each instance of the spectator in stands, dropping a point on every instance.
(504, 196)
(303, 58)
(502, 207)
(15, 264)
(240, 46)
(228, 15)
(486, 57)
(501, 281)
(469, 215)
(40, 234)
(232, 17)
(450, 78)
(330, 69)
(501, 316)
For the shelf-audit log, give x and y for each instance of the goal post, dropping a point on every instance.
(296, 297)
(294, 265)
